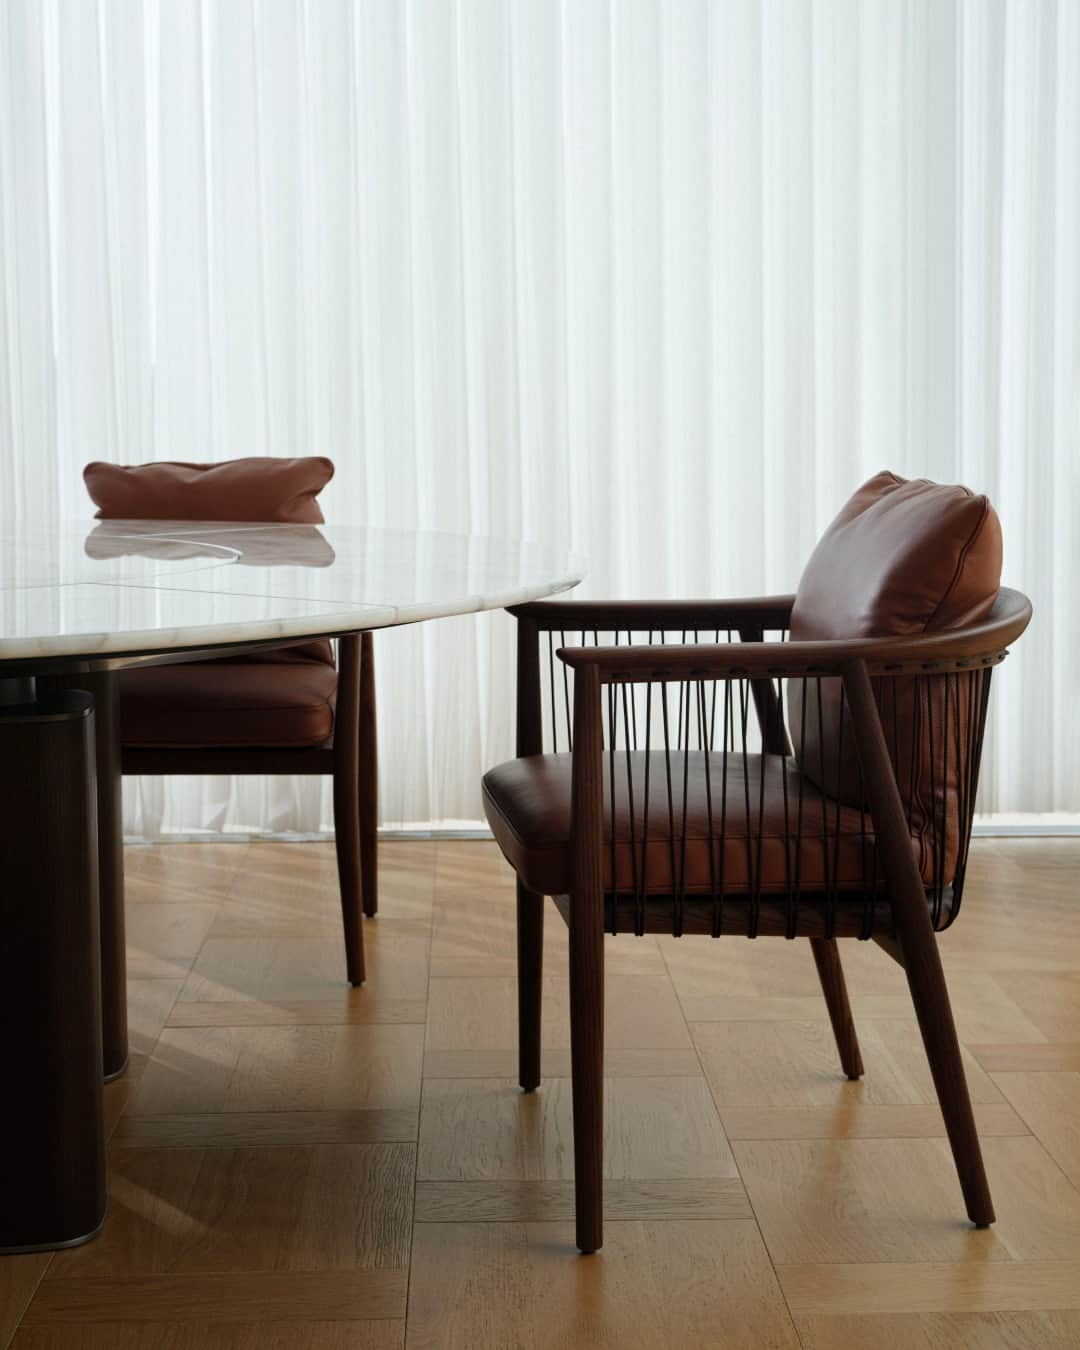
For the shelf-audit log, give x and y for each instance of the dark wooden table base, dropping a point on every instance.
(52, 1144)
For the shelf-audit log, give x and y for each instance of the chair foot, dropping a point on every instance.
(530, 956)
(831, 974)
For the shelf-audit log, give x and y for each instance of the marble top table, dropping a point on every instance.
(96, 595)
(78, 602)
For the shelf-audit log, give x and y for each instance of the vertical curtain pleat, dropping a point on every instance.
(661, 281)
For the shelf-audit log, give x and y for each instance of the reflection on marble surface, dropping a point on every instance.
(156, 586)
(252, 548)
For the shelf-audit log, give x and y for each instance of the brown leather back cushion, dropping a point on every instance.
(902, 557)
(262, 489)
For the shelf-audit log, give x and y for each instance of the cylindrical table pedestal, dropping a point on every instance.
(52, 1138)
(114, 1026)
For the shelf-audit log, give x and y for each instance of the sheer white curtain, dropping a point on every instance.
(664, 280)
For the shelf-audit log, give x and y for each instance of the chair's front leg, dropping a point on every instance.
(530, 971)
(587, 959)
(918, 945)
(587, 1066)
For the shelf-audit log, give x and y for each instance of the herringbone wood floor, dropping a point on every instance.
(295, 1164)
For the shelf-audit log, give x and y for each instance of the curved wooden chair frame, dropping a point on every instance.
(900, 911)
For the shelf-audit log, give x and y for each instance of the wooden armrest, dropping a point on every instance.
(770, 660)
(666, 616)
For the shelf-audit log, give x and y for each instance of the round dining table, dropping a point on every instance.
(80, 601)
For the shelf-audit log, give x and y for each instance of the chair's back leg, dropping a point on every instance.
(347, 804)
(530, 968)
(369, 781)
(831, 974)
(918, 947)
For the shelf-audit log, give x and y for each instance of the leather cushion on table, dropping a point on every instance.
(901, 558)
(527, 802)
(216, 704)
(262, 489)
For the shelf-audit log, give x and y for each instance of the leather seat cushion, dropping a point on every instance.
(528, 807)
(217, 704)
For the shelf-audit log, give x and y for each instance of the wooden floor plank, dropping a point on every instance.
(624, 1063)
(213, 1211)
(488, 1130)
(164, 940)
(703, 1284)
(641, 1013)
(254, 1129)
(1050, 1105)
(897, 1200)
(292, 1335)
(19, 1277)
(282, 1068)
(553, 1201)
(787, 1064)
(277, 1296)
(293, 970)
(1054, 1056)
(943, 1331)
(860, 1121)
(930, 1287)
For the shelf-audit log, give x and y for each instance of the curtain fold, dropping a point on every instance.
(663, 281)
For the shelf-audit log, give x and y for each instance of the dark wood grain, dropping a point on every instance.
(369, 779)
(530, 984)
(587, 960)
(110, 815)
(918, 945)
(347, 803)
(771, 611)
(982, 643)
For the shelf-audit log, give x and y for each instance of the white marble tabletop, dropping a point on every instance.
(88, 591)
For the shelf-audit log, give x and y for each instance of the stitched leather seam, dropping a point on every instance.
(964, 552)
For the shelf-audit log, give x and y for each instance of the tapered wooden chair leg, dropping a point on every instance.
(347, 805)
(369, 780)
(918, 946)
(587, 1067)
(530, 964)
(929, 993)
(347, 843)
(831, 974)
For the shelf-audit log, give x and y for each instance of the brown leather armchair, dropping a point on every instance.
(294, 710)
(819, 784)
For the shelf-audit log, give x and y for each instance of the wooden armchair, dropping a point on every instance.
(293, 710)
(819, 784)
